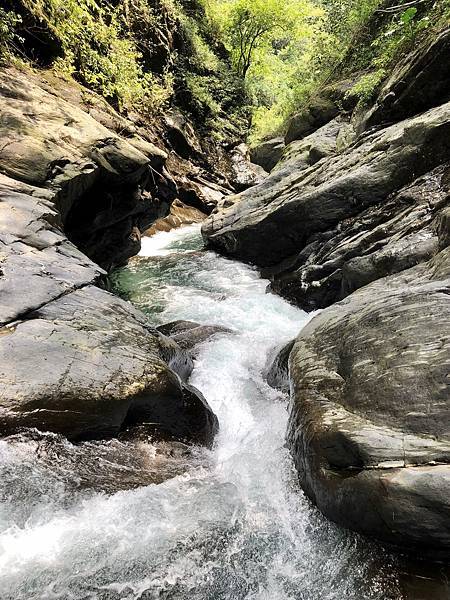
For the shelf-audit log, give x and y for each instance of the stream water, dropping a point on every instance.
(230, 524)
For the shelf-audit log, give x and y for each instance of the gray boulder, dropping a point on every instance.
(87, 366)
(268, 153)
(188, 334)
(106, 189)
(389, 237)
(319, 112)
(244, 174)
(369, 422)
(301, 154)
(76, 360)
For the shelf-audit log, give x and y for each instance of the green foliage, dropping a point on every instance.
(367, 86)
(227, 58)
(398, 35)
(267, 41)
(8, 23)
(267, 26)
(359, 39)
(99, 52)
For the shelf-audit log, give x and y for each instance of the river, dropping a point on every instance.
(232, 523)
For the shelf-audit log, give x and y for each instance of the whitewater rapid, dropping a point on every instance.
(234, 524)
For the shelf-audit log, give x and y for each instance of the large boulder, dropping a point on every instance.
(200, 193)
(276, 220)
(180, 214)
(319, 112)
(301, 154)
(244, 174)
(370, 413)
(88, 366)
(107, 189)
(389, 237)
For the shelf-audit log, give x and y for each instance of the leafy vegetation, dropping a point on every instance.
(288, 51)
(98, 50)
(8, 24)
(224, 59)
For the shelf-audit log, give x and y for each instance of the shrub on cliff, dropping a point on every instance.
(8, 23)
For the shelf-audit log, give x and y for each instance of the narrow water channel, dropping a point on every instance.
(233, 524)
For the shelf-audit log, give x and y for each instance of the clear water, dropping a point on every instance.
(232, 523)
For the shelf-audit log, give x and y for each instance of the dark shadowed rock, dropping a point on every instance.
(106, 189)
(369, 423)
(419, 82)
(181, 135)
(268, 153)
(188, 334)
(278, 369)
(317, 114)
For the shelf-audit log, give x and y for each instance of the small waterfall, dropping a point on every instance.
(233, 524)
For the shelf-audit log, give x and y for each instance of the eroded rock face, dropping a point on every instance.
(180, 214)
(106, 189)
(87, 365)
(268, 153)
(275, 219)
(386, 238)
(76, 360)
(369, 424)
(419, 82)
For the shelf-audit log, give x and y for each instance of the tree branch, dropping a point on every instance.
(394, 9)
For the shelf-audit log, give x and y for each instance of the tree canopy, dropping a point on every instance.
(266, 57)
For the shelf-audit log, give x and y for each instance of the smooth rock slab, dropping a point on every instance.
(87, 366)
(369, 424)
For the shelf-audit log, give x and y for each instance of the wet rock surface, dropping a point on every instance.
(278, 369)
(188, 335)
(76, 360)
(272, 221)
(87, 366)
(77, 470)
